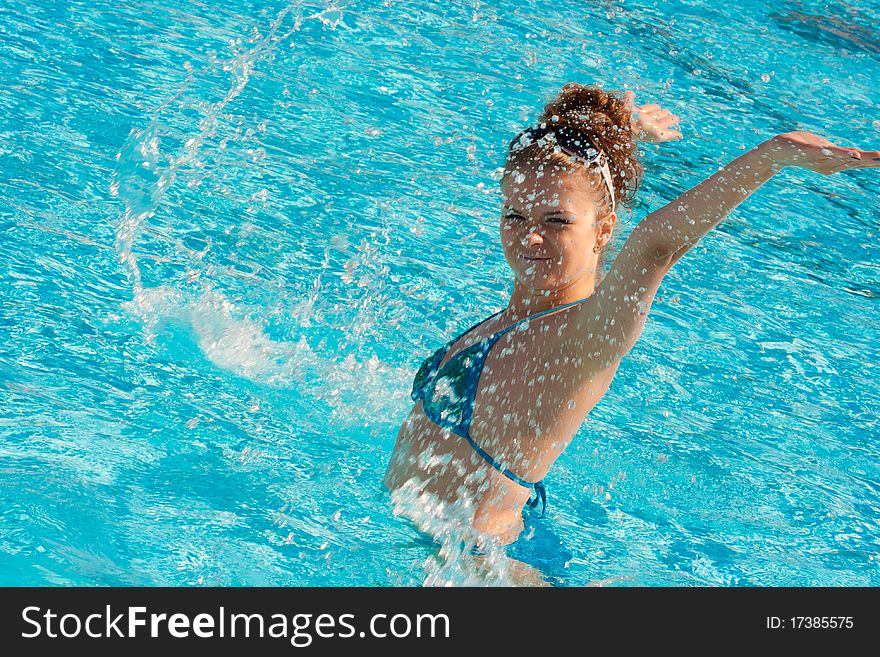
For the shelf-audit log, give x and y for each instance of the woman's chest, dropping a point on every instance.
(523, 392)
(535, 395)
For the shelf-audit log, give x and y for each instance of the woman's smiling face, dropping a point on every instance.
(549, 226)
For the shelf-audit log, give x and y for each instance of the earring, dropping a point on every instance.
(596, 249)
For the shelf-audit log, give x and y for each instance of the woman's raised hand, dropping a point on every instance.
(651, 123)
(809, 151)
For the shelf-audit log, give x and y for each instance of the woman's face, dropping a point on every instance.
(549, 227)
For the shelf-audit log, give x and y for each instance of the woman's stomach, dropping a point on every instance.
(437, 479)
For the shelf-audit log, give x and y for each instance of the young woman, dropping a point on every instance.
(498, 404)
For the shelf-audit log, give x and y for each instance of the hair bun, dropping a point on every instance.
(607, 120)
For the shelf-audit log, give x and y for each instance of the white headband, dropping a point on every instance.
(606, 175)
(573, 147)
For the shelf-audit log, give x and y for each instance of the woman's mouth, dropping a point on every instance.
(528, 258)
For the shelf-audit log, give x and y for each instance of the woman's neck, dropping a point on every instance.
(525, 302)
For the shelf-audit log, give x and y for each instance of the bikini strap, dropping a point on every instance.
(541, 493)
(493, 339)
(540, 314)
(495, 464)
(441, 353)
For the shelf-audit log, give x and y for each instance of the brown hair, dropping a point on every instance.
(605, 120)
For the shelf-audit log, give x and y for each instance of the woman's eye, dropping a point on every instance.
(555, 220)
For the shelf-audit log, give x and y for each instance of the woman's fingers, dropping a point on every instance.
(840, 150)
(660, 114)
(843, 159)
(870, 158)
(810, 151)
(854, 158)
(864, 163)
(666, 121)
(655, 123)
(654, 111)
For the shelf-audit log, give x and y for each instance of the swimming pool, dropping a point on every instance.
(231, 233)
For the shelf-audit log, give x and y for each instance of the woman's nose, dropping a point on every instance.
(533, 237)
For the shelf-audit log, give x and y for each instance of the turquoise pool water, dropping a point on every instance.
(231, 231)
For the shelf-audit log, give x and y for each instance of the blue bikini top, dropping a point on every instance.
(448, 393)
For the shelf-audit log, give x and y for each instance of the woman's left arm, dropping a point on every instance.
(611, 326)
(677, 226)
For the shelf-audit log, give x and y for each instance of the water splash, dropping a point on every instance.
(143, 177)
(463, 556)
(140, 182)
(144, 174)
